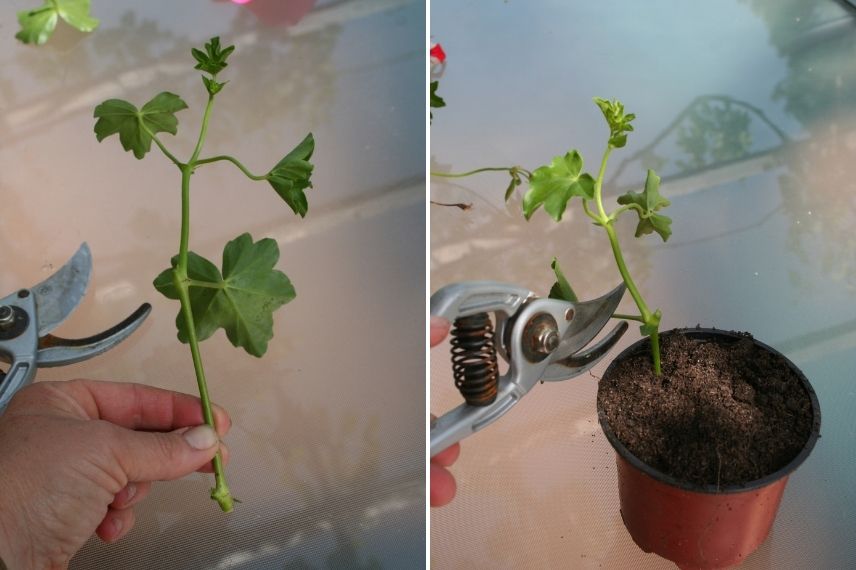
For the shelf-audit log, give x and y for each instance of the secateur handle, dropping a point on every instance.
(473, 297)
(505, 300)
(19, 340)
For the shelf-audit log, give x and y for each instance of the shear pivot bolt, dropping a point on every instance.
(540, 337)
(548, 341)
(7, 316)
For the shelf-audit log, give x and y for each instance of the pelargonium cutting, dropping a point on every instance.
(241, 295)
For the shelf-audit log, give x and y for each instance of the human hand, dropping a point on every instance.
(76, 456)
(443, 486)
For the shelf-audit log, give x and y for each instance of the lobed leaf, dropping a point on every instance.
(241, 301)
(291, 175)
(38, 25)
(649, 202)
(552, 186)
(137, 126)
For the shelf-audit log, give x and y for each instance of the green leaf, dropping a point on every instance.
(618, 121)
(213, 59)
(436, 100)
(552, 186)
(561, 289)
(38, 25)
(136, 127)
(241, 301)
(515, 182)
(291, 176)
(649, 202)
(76, 14)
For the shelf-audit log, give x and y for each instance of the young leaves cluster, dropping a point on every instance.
(618, 121)
(212, 61)
(38, 25)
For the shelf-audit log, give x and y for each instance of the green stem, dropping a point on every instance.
(617, 212)
(220, 492)
(203, 130)
(589, 213)
(234, 161)
(625, 273)
(598, 185)
(651, 320)
(655, 349)
(623, 317)
(186, 172)
(163, 149)
(476, 171)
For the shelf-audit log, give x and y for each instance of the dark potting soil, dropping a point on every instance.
(720, 414)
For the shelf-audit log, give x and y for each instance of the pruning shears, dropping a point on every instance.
(28, 316)
(541, 339)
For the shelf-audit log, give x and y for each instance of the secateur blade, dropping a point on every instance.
(61, 293)
(57, 351)
(587, 320)
(28, 315)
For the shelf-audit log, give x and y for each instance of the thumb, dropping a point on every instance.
(439, 329)
(154, 456)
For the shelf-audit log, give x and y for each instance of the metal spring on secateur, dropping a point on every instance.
(474, 359)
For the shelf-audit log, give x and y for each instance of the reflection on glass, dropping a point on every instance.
(276, 12)
(118, 59)
(709, 132)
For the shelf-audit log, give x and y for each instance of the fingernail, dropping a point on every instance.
(132, 490)
(201, 437)
(117, 527)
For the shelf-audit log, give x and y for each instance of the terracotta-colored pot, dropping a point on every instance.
(695, 526)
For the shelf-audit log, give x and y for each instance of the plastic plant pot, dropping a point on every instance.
(695, 526)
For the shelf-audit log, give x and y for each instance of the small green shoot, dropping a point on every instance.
(241, 296)
(38, 25)
(553, 186)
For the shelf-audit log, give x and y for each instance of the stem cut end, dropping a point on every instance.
(223, 496)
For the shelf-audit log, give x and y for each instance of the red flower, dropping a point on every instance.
(437, 53)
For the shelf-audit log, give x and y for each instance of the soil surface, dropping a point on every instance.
(720, 414)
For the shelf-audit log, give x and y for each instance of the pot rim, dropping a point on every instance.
(714, 489)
